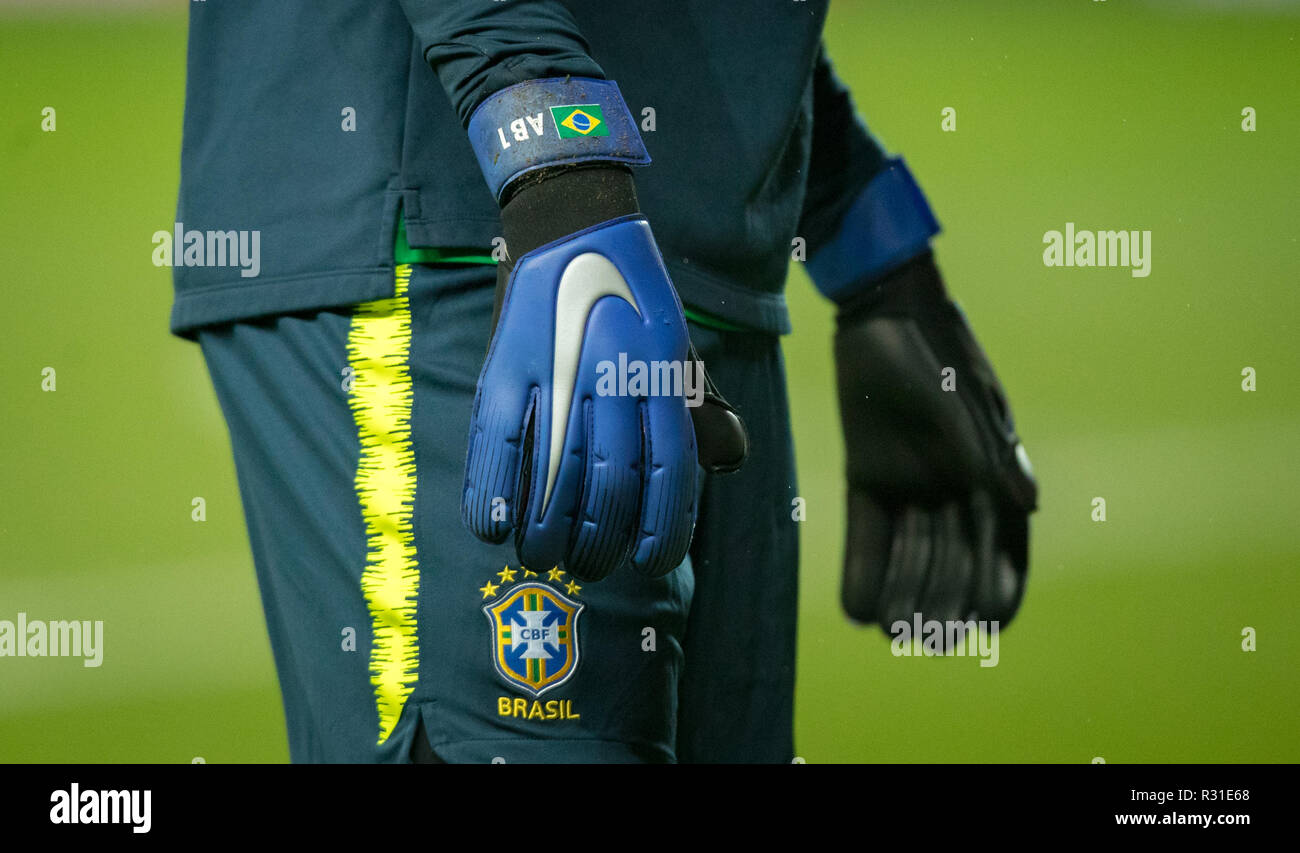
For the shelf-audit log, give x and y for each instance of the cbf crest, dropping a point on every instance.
(534, 636)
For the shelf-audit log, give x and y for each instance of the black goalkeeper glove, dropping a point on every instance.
(939, 487)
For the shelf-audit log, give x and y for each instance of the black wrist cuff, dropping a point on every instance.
(900, 290)
(548, 204)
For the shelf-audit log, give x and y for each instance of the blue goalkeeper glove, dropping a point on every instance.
(589, 466)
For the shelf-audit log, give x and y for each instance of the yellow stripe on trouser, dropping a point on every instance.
(379, 345)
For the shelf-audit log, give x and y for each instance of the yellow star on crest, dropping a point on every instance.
(507, 575)
(527, 573)
(554, 574)
(572, 588)
(489, 590)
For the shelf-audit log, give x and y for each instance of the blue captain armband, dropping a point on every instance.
(888, 224)
(552, 122)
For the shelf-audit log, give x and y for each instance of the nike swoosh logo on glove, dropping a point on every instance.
(587, 279)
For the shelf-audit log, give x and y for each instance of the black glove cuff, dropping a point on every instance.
(545, 205)
(898, 291)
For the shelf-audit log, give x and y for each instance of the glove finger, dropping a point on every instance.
(1011, 564)
(552, 480)
(866, 556)
(988, 588)
(611, 490)
(668, 501)
(1006, 587)
(909, 560)
(492, 466)
(947, 585)
(720, 434)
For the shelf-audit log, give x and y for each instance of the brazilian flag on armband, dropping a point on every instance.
(576, 120)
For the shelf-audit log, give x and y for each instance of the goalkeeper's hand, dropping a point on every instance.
(939, 486)
(588, 471)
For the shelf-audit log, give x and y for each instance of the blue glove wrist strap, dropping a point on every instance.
(888, 224)
(552, 122)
